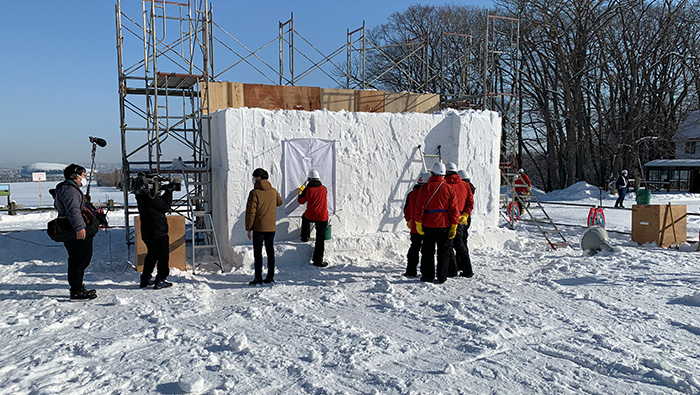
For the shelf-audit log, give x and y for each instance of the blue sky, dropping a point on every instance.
(59, 64)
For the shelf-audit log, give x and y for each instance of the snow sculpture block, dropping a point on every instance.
(377, 163)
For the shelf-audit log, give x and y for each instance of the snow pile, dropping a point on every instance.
(531, 321)
(377, 163)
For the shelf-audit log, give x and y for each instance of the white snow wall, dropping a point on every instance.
(377, 163)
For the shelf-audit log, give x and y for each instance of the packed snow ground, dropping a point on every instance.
(532, 320)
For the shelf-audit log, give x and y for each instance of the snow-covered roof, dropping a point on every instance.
(673, 163)
(690, 129)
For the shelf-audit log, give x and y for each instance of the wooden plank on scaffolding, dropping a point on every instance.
(338, 99)
(224, 94)
(369, 101)
(399, 102)
(274, 97)
(425, 102)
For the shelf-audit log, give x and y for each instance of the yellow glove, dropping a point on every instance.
(408, 224)
(453, 231)
(301, 189)
(463, 218)
(419, 228)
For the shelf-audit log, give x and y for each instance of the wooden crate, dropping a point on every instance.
(338, 99)
(176, 233)
(275, 97)
(657, 223)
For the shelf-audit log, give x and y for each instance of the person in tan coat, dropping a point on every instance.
(261, 219)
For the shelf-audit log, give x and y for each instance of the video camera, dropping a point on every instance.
(153, 183)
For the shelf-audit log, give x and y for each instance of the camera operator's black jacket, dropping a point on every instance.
(154, 224)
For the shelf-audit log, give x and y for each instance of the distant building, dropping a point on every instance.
(682, 173)
(52, 170)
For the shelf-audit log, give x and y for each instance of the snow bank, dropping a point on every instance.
(377, 162)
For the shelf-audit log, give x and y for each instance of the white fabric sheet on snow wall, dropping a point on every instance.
(300, 157)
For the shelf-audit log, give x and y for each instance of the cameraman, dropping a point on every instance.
(154, 232)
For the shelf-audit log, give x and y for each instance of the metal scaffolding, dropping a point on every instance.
(164, 119)
(166, 58)
(502, 79)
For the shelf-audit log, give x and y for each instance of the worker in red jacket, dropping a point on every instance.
(416, 238)
(464, 263)
(522, 187)
(460, 190)
(314, 194)
(436, 219)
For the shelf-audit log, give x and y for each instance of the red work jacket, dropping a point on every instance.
(315, 195)
(411, 203)
(437, 204)
(522, 184)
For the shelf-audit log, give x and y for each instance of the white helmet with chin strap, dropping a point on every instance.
(463, 174)
(624, 172)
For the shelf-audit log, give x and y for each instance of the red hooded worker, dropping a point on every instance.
(416, 238)
(437, 215)
(314, 194)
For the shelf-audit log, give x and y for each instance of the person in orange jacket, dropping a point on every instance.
(436, 219)
(464, 263)
(413, 255)
(314, 194)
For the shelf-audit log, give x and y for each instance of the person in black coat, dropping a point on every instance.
(622, 188)
(154, 233)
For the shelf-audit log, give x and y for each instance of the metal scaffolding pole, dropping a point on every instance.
(163, 100)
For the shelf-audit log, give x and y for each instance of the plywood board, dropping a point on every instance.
(223, 95)
(273, 97)
(426, 103)
(176, 234)
(338, 99)
(399, 102)
(664, 225)
(369, 101)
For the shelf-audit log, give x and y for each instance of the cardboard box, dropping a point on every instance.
(663, 224)
(176, 233)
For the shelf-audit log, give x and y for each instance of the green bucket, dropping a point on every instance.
(643, 196)
(328, 232)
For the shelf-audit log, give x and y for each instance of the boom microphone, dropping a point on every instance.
(98, 141)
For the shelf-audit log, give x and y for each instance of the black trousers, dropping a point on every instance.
(435, 237)
(158, 252)
(79, 256)
(319, 247)
(620, 197)
(258, 239)
(413, 255)
(461, 248)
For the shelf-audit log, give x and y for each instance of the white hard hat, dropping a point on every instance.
(313, 175)
(624, 171)
(423, 178)
(521, 171)
(463, 174)
(451, 167)
(439, 168)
